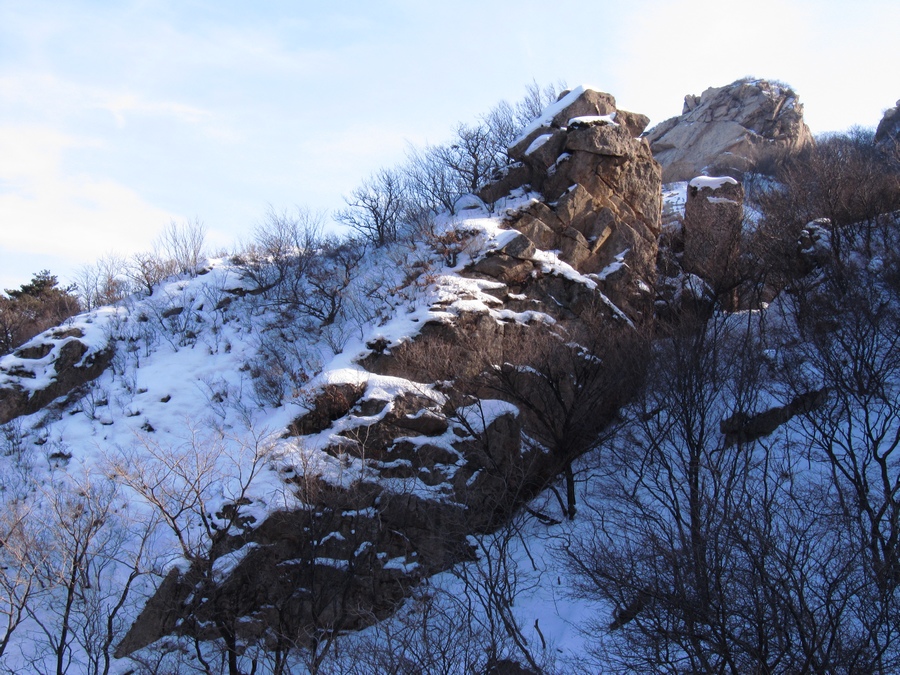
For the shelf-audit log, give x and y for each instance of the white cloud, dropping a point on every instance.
(71, 216)
(49, 96)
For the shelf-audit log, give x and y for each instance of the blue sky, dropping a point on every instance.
(117, 117)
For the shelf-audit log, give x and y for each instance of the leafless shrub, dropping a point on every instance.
(147, 269)
(283, 246)
(182, 243)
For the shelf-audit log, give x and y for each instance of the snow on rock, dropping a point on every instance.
(590, 120)
(549, 113)
(537, 143)
(711, 182)
(480, 416)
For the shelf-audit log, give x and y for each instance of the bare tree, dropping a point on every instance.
(430, 181)
(722, 547)
(103, 283)
(570, 385)
(84, 555)
(147, 269)
(183, 244)
(375, 208)
(182, 484)
(284, 245)
(20, 563)
(537, 98)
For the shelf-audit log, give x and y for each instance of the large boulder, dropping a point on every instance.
(726, 130)
(601, 192)
(713, 218)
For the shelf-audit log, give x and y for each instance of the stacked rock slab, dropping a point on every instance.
(601, 188)
(726, 129)
(713, 216)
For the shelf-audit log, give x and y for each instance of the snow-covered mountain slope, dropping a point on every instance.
(183, 461)
(518, 438)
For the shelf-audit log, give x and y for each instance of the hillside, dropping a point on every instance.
(576, 420)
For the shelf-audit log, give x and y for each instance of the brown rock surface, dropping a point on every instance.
(726, 128)
(601, 189)
(72, 364)
(713, 217)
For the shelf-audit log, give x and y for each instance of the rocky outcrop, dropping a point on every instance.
(601, 189)
(412, 475)
(887, 135)
(744, 428)
(713, 218)
(725, 130)
(47, 367)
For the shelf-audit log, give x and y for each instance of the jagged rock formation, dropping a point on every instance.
(713, 217)
(602, 202)
(726, 129)
(445, 458)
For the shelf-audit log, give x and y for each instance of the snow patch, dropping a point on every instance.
(711, 182)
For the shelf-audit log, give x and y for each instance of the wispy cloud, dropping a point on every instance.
(47, 96)
(44, 209)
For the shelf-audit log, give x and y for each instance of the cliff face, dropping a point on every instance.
(725, 129)
(427, 440)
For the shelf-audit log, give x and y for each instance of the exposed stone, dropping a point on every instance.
(713, 218)
(75, 364)
(518, 247)
(633, 123)
(887, 135)
(601, 204)
(544, 148)
(605, 139)
(574, 248)
(814, 244)
(34, 352)
(744, 428)
(510, 178)
(537, 231)
(518, 149)
(544, 213)
(589, 103)
(172, 311)
(726, 129)
(601, 193)
(504, 268)
(573, 205)
(331, 403)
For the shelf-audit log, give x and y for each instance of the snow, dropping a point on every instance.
(180, 395)
(722, 200)
(401, 565)
(592, 120)
(537, 143)
(617, 264)
(711, 182)
(480, 416)
(548, 113)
